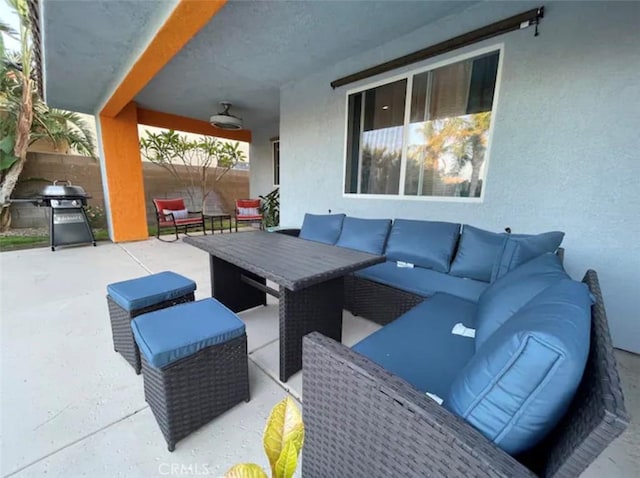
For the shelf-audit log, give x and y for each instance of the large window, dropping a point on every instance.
(423, 135)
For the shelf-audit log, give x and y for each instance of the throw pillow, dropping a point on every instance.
(177, 213)
(478, 252)
(521, 248)
(248, 211)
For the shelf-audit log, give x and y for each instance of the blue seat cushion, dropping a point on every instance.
(419, 346)
(150, 290)
(521, 381)
(424, 282)
(322, 227)
(478, 252)
(167, 335)
(366, 235)
(521, 248)
(427, 244)
(511, 292)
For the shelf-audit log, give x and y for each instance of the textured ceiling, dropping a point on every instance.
(245, 54)
(89, 45)
(250, 49)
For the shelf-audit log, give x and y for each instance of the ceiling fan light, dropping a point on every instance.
(225, 120)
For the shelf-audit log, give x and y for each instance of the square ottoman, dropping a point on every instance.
(194, 364)
(134, 297)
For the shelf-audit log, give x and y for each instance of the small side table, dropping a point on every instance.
(221, 216)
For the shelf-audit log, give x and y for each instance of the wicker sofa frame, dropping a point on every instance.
(362, 421)
(192, 391)
(123, 341)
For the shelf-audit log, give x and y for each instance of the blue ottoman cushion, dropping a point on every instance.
(428, 244)
(478, 253)
(366, 235)
(322, 227)
(150, 290)
(170, 334)
(521, 381)
(512, 291)
(419, 346)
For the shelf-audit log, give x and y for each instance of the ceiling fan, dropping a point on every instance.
(226, 120)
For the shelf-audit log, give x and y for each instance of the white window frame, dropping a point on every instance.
(408, 75)
(273, 162)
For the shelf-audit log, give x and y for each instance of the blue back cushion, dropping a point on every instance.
(322, 227)
(366, 235)
(478, 252)
(521, 248)
(423, 243)
(521, 381)
(511, 292)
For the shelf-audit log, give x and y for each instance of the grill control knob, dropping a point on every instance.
(75, 203)
(54, 202)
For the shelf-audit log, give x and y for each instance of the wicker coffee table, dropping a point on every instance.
(310, 277)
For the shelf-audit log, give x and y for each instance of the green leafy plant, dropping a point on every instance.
(283, 440)
(271, 208)
(95, 215)
(191, 161)
(24, 117)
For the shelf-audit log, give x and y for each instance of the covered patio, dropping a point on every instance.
(71, 406)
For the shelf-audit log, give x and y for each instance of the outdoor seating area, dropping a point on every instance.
(121, 415)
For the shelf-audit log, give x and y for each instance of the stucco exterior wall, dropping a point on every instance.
(565, 145)
(261, 171)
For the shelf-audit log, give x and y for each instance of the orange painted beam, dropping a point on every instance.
(190, 125)
(187, 19)
(123, 171)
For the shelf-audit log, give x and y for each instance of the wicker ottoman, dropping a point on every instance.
(131, 298)
(194, 364)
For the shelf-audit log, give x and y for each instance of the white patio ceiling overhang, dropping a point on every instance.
(245, 54)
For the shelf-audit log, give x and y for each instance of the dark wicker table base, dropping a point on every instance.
(191, 392)
(315, 308)
(123, 341)
(375, 301)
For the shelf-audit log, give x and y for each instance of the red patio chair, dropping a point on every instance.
(248, 210)
(173, 213)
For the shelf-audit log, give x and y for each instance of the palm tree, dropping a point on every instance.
(24, 117)
(471, 145)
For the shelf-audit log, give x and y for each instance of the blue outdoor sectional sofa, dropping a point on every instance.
(491, 360)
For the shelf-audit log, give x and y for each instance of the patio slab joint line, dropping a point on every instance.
(263, 346)
(74, 442)
(136, 260)
(290, 391)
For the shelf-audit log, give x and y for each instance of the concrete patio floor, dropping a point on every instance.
(70, 406)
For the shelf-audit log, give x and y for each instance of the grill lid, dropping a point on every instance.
(57, 190)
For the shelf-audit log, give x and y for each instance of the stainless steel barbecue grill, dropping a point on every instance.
(69, 223)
